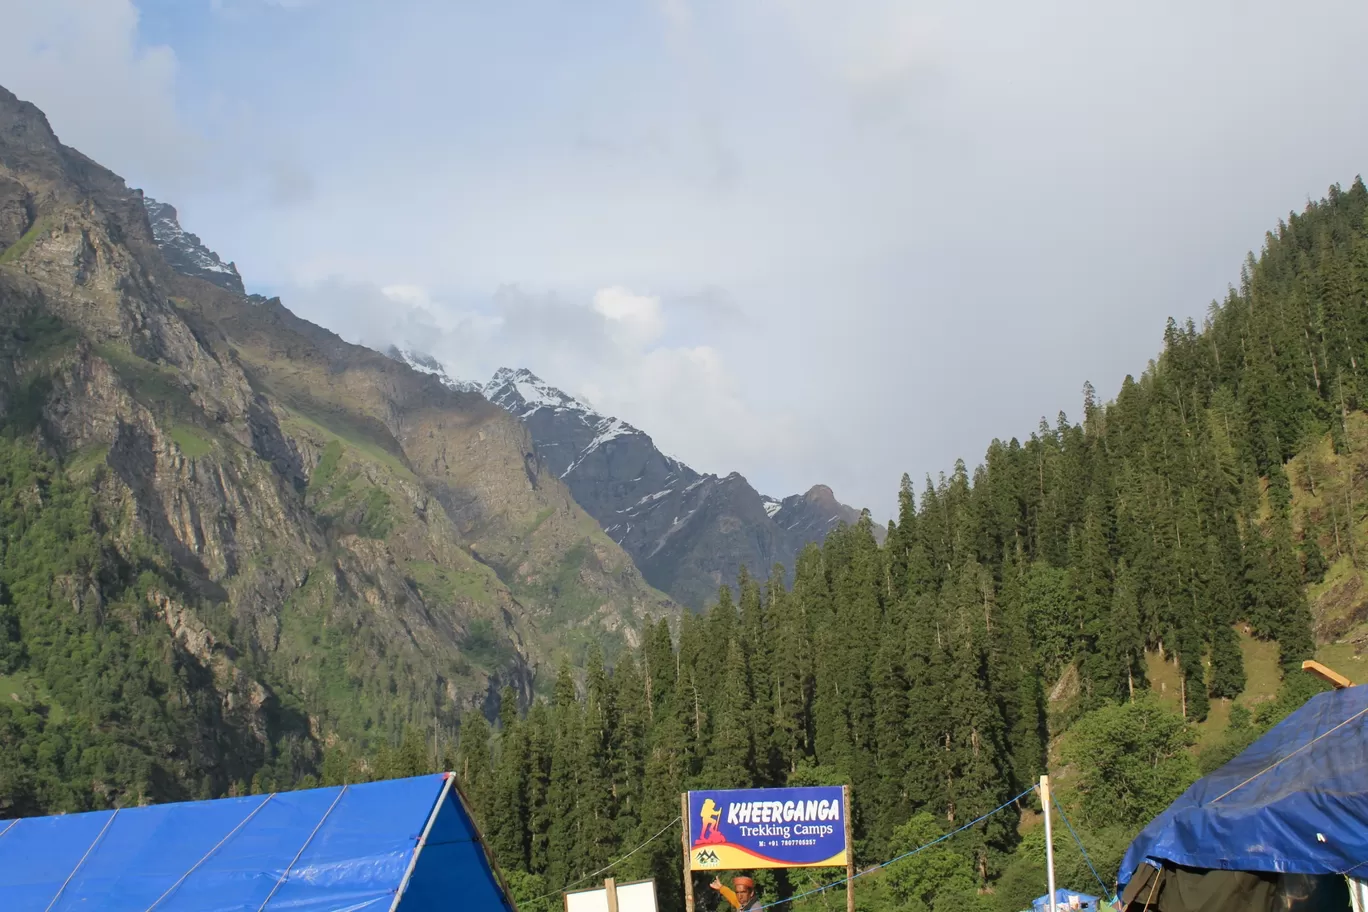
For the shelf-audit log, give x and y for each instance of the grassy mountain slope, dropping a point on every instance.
(329, 530)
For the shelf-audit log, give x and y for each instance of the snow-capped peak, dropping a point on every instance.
(523, 392)
(772, 506)
(426, 364)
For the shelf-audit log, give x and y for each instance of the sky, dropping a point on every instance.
(810, 242)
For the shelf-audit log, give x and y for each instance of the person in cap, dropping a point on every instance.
(741, 894)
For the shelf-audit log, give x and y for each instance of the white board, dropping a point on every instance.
(638, 896)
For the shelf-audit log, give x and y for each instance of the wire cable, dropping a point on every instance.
(837, 883)
(243, 822)
(608, 867)
(98, 837)
(1065, 817)
(1294, 753)
(286, 874)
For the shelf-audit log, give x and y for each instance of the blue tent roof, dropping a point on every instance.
(340, 848)
(1295, 801)
(1062, 899)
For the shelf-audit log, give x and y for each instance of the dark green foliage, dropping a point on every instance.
(111, 709)
(1313, 562)
(916, 672)
(1133, 758)
(1227, 677)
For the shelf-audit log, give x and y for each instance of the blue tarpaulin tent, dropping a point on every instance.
(1294, 802)
(408, 845)
(1064, 900)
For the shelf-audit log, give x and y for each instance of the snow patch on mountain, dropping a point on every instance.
(184, 252)
(426, 364)
(523, 392)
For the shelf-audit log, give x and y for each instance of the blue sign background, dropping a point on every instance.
(731, 829)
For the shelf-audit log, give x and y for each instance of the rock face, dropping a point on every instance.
(184, 252)
(688, 532)
(389, 547)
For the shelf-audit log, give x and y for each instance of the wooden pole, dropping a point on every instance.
(1049, 838)
(611, 886)
(684, 839)
(850, 852)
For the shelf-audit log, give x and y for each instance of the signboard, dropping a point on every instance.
(638, 896)
(738, 829)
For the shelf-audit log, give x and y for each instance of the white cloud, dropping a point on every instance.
(104, 92)
(610, 350)
(863, 238)
(634, 319)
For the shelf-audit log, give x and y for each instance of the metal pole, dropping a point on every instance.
(1049, 838)
(684, 839)
(850, 852)
(422, 840)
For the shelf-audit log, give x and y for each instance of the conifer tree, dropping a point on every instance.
(731, 758)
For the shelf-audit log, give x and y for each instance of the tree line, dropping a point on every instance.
(918, 671)
(1006, 607)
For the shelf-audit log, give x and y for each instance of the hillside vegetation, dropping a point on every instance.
(232, 538)
(1124, 600)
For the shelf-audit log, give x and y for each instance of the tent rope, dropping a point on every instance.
(171, 889)
(608, 867)
(1293, 754)
(13, 823)
(98, 837)
(317, 827)
(837, 883)
(1344, 873)
(1074, 833)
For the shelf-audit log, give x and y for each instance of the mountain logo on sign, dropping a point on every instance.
(706, 858)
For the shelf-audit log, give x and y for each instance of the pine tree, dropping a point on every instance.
(1227, 663)
(731, 760)
(793, 675)
(472, 760)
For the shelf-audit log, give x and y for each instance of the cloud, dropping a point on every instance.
(611, 349)
(633, 320)
(860, 238)
(103, 90)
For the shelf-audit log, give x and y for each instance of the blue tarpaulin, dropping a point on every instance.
(1294, 802)
(346, 848)
(1064, 900)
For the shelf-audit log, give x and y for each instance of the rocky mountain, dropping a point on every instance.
(426, 364)
(184, 252)
(688, 532)
(292, 521)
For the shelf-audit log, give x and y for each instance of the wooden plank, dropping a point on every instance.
(1330, 676)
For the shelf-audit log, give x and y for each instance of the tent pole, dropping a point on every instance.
(422, 840)
(1049, 839)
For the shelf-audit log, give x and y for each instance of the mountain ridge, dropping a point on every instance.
(328, 529)
(689, 532)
